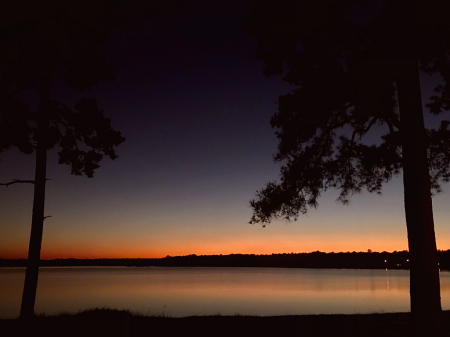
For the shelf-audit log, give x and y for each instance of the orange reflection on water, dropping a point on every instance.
(205, 291)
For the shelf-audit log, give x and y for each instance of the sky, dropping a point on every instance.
(192, 101)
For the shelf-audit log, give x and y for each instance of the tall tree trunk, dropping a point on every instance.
(424, 270)
(37, 223)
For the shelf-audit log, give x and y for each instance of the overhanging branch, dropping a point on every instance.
(18, 181)
(394, 120)
(363, 131)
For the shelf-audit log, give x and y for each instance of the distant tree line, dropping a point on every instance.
(348, 260)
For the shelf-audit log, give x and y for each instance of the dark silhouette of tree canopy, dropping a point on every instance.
(355, 66)
(40, 42)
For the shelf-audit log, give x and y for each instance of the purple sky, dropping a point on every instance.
(194, 106)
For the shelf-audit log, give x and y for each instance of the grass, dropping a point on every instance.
(110, 322)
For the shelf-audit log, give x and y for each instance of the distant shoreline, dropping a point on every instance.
(349, 260)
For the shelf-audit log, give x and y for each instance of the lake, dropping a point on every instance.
(186, 291)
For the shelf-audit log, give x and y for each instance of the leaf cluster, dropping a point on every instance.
(41, 42)
(84, 135)
(344, 68)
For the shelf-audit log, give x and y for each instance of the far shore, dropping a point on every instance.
(108, 322)
(348, 260)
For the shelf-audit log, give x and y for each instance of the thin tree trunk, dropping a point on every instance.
(37, 223)
(424, 270)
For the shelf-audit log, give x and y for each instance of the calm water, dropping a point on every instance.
(208, 291)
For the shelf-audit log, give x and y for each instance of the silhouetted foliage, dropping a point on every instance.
(40, 42)
(345, 74)
(355, 66)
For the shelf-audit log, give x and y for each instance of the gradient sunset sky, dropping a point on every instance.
(194, 106)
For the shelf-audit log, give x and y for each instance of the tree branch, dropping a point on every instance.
(345, 120)
(18, 181)
(393, 118)
(391, 127)
(372, 122)
(354, 135)
(363, 131)
(63, 106)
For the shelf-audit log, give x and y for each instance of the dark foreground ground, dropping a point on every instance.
(105, 322)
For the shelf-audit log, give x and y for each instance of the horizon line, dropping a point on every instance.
(204, 255)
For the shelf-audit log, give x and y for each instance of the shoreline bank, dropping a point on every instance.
(110, 322)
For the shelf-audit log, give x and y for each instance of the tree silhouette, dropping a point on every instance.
(39, 43)
(355, 66)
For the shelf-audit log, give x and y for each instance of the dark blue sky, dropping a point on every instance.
(194, 106)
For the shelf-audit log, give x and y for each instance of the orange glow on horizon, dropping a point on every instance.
(158, 246)
(49, 252)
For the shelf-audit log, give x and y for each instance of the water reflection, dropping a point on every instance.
(207, 291)
(387, 279)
